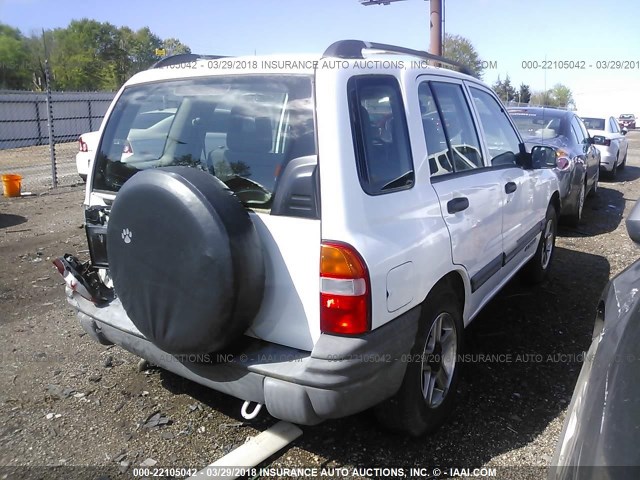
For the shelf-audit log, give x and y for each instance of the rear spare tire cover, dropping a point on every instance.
(185, 259)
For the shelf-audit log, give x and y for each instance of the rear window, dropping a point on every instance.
(593, 123)
(244, 130)
(540, 125)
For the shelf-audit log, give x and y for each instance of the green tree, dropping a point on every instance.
(504, 90)
(542, 97)
(86, 56)
(140, 48)
(562, 96)
(558, 96)
(14, 59)
(524, 94)
(173, 46)
(36, 45)
(460, 49)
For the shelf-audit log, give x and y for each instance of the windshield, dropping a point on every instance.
(626, 116)
(541, 125)
(244, 130)
(593, 123)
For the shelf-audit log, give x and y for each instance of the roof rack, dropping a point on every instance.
(183, 58)
(353, 49)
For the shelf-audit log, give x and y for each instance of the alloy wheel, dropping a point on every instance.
(439, 358)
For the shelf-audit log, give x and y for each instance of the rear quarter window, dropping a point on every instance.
(380, 136)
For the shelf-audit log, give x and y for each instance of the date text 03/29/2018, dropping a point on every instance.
(580, 64)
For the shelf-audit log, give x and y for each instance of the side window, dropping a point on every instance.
(585, 133)
(454, 122)
(380, 135)
(439, 156)
(613, 125)
(502, 140)
(574, 135)
(580, 131)
(580, 136)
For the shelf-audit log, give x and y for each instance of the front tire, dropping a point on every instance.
(538, 267)
(427, 394)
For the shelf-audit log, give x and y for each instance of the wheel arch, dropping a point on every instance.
(555, 201)
(458, 282)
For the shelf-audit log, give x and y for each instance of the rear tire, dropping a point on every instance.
(624, 160)
(538, 267)
(614, 171)
(594, 188)
(427, 394)
(576, 217)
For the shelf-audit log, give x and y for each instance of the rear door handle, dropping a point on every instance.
(457, 204)
(510, 187)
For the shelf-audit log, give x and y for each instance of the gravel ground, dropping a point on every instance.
(67, 401)
(34, 164)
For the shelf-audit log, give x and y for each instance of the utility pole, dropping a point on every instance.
(435, 27)
(436, 21)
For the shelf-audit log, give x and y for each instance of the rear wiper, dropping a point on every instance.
(403, 180)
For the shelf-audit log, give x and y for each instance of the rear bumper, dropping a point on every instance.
(340, 377)
(607, 158)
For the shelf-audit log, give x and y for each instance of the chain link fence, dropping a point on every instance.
(39, 134)
(512, 103)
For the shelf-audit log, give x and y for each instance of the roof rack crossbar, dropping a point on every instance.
(183, 58)
(353, 49)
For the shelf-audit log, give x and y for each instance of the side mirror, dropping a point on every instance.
(543, 157)
(625, 130)
(591, 141)
(633, 224)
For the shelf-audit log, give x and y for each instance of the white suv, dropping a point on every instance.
(310, 233)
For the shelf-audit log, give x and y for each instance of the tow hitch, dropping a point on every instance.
(83, 278)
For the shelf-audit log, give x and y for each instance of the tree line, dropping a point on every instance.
(87, 55)
(558, 96)
(460, 49)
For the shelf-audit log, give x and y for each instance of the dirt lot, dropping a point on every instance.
(67, 401)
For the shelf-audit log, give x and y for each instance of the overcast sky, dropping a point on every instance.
(590, 33)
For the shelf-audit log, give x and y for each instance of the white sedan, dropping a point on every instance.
(87, 144)
(610, 140)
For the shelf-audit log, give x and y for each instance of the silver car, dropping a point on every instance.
(610, 140)
(601, 434)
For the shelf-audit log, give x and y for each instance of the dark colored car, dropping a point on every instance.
(627, 120)
(577, 160)
(601, 433)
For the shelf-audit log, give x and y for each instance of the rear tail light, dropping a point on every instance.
(82, 145)
(345, 291)
(72, 278)
(563, 160)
